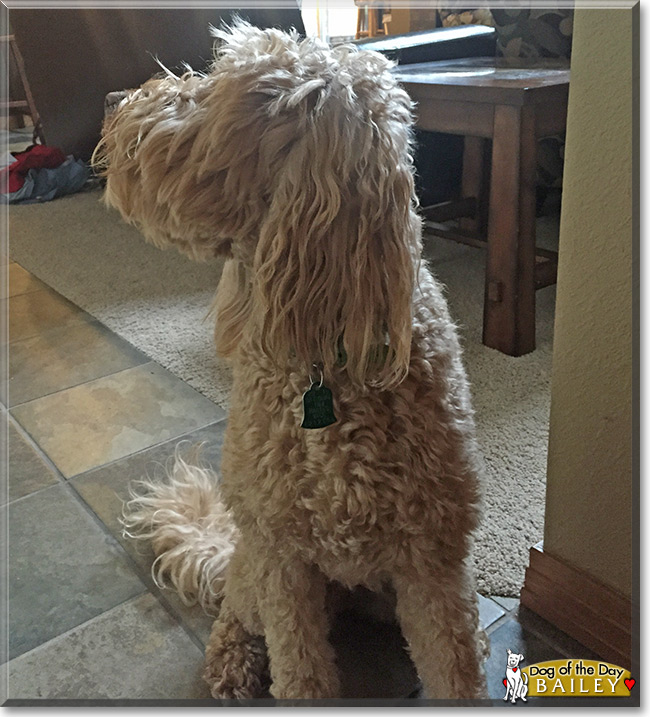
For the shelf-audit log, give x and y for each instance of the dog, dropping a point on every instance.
(516, 682)
(350, 456)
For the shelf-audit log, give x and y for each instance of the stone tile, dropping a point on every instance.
(135, 651)
(63, 568)
(27, 472)
(105, 489)
(372, 659)
(507, 603)
(59, 359)
(100, 421)
(511, 635)
(22, 282)
(31, 314)
(489, 612)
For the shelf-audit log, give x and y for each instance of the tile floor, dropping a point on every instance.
(85, 413)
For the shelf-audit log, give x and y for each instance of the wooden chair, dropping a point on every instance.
(369, 18)
(26, 105)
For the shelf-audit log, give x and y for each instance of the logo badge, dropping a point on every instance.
(565, 678)
(515, 681)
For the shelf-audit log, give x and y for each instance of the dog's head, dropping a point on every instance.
(295, 159)
(514, 659)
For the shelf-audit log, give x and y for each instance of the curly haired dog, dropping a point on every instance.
(294, 161)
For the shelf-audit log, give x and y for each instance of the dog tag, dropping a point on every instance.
(317, 407)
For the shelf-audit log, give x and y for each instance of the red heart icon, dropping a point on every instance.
(514, 669)
(629, 683)
(505, 682)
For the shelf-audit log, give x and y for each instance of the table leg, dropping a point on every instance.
(509, 308)
(474, 185)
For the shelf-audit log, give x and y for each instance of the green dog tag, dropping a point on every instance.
(318, 407)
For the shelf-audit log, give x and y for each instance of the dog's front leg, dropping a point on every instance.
(438, 615)
(292, 609)
(508, 688)
(236, 664)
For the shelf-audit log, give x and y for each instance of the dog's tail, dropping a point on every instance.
(192, 533)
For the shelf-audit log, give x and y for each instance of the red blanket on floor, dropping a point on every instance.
(37, 156)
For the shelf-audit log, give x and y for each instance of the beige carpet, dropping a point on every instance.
(158, 300)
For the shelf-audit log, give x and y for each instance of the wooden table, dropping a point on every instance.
(513, 105)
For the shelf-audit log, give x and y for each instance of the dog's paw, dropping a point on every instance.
(238, 671)
(240, 688)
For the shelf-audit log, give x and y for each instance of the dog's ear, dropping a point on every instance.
(336, 260)
(508, 651)
(231, 308)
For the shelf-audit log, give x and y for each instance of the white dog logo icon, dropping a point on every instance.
(516, 683)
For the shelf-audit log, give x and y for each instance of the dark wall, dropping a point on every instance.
(73, 58)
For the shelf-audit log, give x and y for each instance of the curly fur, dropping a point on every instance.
(294, 161)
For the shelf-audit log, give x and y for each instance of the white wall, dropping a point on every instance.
(588, 506)
(329, 18)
